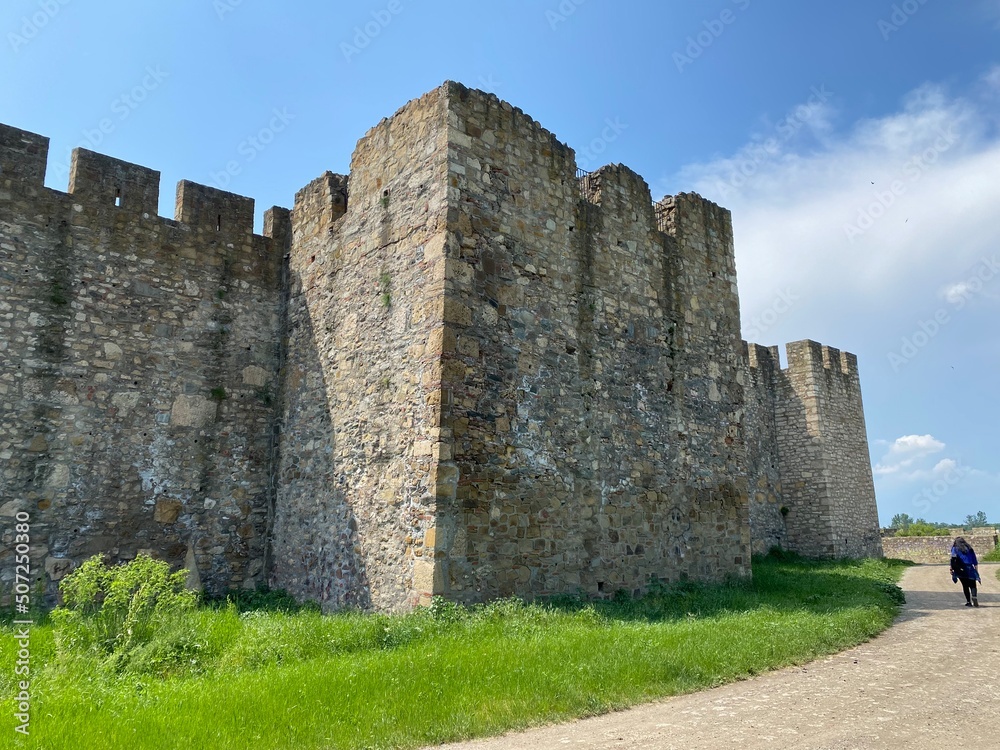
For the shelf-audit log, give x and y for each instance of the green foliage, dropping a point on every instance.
(264, 395)
(920, 527)
(992, 556)
(979, 519)
(778, 554)
(219, 394)
(109, 611)
(254, 669)
(261, 599)
(901, 521)
(59, 295)
(446, 611)
(385, 284)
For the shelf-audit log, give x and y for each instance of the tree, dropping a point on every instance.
(977, 520)
(901, 521)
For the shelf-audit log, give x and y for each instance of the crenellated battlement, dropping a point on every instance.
(809, 356)
(214, 210)
(99, 182)
(102, 180)
(320, 204)
(763, 358)
(23, 156)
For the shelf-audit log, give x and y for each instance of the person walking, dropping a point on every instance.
(965, 568)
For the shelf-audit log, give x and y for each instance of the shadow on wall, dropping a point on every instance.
(316, 549)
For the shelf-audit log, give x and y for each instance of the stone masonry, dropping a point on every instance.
(811, 493)
(463, 370)
(937, 549)
(136, 358)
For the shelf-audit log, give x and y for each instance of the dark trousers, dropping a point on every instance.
(968, 585)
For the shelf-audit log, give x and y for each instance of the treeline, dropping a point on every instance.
(905, 525)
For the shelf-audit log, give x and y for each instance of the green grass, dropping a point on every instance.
(221, 678)
(992, 556)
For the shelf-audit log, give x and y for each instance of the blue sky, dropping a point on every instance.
(857, 144)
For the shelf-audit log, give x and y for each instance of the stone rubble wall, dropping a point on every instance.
(935, 549)
(767, 521)
(362, 382)
(823, 454)
(589, 377)
(137, 356)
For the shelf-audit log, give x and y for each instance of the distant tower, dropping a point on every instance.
(811, 463)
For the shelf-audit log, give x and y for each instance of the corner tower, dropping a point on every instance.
(822, 447)
(502, 379)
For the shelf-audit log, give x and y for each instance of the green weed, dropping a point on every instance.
(249, 670)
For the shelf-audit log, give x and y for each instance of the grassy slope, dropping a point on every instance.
(305, 681)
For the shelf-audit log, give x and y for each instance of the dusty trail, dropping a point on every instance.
(930, 681)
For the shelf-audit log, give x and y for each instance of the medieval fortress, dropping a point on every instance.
(463, 370)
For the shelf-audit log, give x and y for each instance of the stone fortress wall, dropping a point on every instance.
(137, 356)
(463, 371)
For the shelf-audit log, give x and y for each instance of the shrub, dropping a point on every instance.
(992, 556)
(262, 599)
(110, 611)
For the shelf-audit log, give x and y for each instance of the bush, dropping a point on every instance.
(992, 556)
(109, 611)
(922, 528)
(262, 599)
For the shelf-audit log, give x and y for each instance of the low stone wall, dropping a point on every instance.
(932, 549)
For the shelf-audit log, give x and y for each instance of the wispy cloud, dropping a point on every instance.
(924, 176)
(908, 450)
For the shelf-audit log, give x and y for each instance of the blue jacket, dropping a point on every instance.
(964, 564)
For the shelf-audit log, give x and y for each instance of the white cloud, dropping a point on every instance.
(881, 211)
(908, 450)
(944, 466)
(909, 445)
(957, 292)
(992, 77)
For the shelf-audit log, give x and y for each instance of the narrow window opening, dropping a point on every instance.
(218, 223)
(118, 197)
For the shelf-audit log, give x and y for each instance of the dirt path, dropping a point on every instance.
(930, 681)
